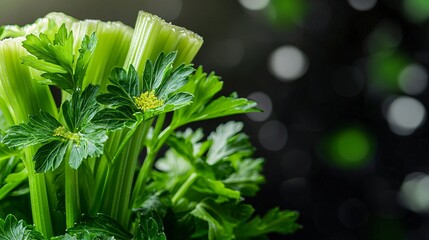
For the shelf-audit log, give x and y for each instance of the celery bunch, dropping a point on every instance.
(124, 93)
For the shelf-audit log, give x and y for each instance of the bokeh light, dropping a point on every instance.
(362, 5)
(254, 5)
(414, 193)
(264, 103)
(273, 135)
(385, 38)
(287, 12)
(416, 10)
(405, 114)
(349, 148)
(288, 63)
(413, 79)
(321, 71)
(385, 67)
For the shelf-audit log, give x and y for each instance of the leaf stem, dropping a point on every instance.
(149, 161)
(158, 126)
(135, 148)
(126, 140)
(122, 181)
(72, 200)
(38, 196)
(182, 190)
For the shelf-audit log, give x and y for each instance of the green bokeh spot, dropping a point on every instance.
(384, 69)
(287, 12)
(417, 10)
(350, 147)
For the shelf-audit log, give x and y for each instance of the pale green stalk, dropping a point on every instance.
(148, 162)
(152, 35)
(21, 96)
(113, 42)
(72, 196)
(48, 25)
(184, 188)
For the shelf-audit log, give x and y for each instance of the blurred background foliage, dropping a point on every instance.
(343, 86)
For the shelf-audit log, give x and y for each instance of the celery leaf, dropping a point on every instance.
(150, 227)
(223, 160)
(227, 141)
(247, 177)
(221, 218)
(56, 59)
(86, 51)
(225, 106)
(113, 118)
(123, 91)
(50, 156)
(215, 188)
(91, 145)
(79, 111)
(12, 229)
(204, 87)
(38, 129)
(157, 93)
(100, 227)
(12, 176)
(81, 135)
(155, 73)
(283, 222)
(78, 114)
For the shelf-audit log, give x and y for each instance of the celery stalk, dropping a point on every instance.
(48, 25)
(112, 46)
(23, 96)
(152, 35)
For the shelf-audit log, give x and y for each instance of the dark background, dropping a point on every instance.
(343, 86)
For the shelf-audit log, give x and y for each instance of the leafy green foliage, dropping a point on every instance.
(12, 229)
(157, 201)
(37, 130)
(79, 111)
(223, 160)
(85, 53)
(227, 142)
(13, 177)
(246, 176)
(83, 137)
(204, 87)
(55, 58)
(208, 180)
(50, 156)
(101, 227)
(221, 218)
(150, 227)
(273, 221)
(199, 186)
(156, 93)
